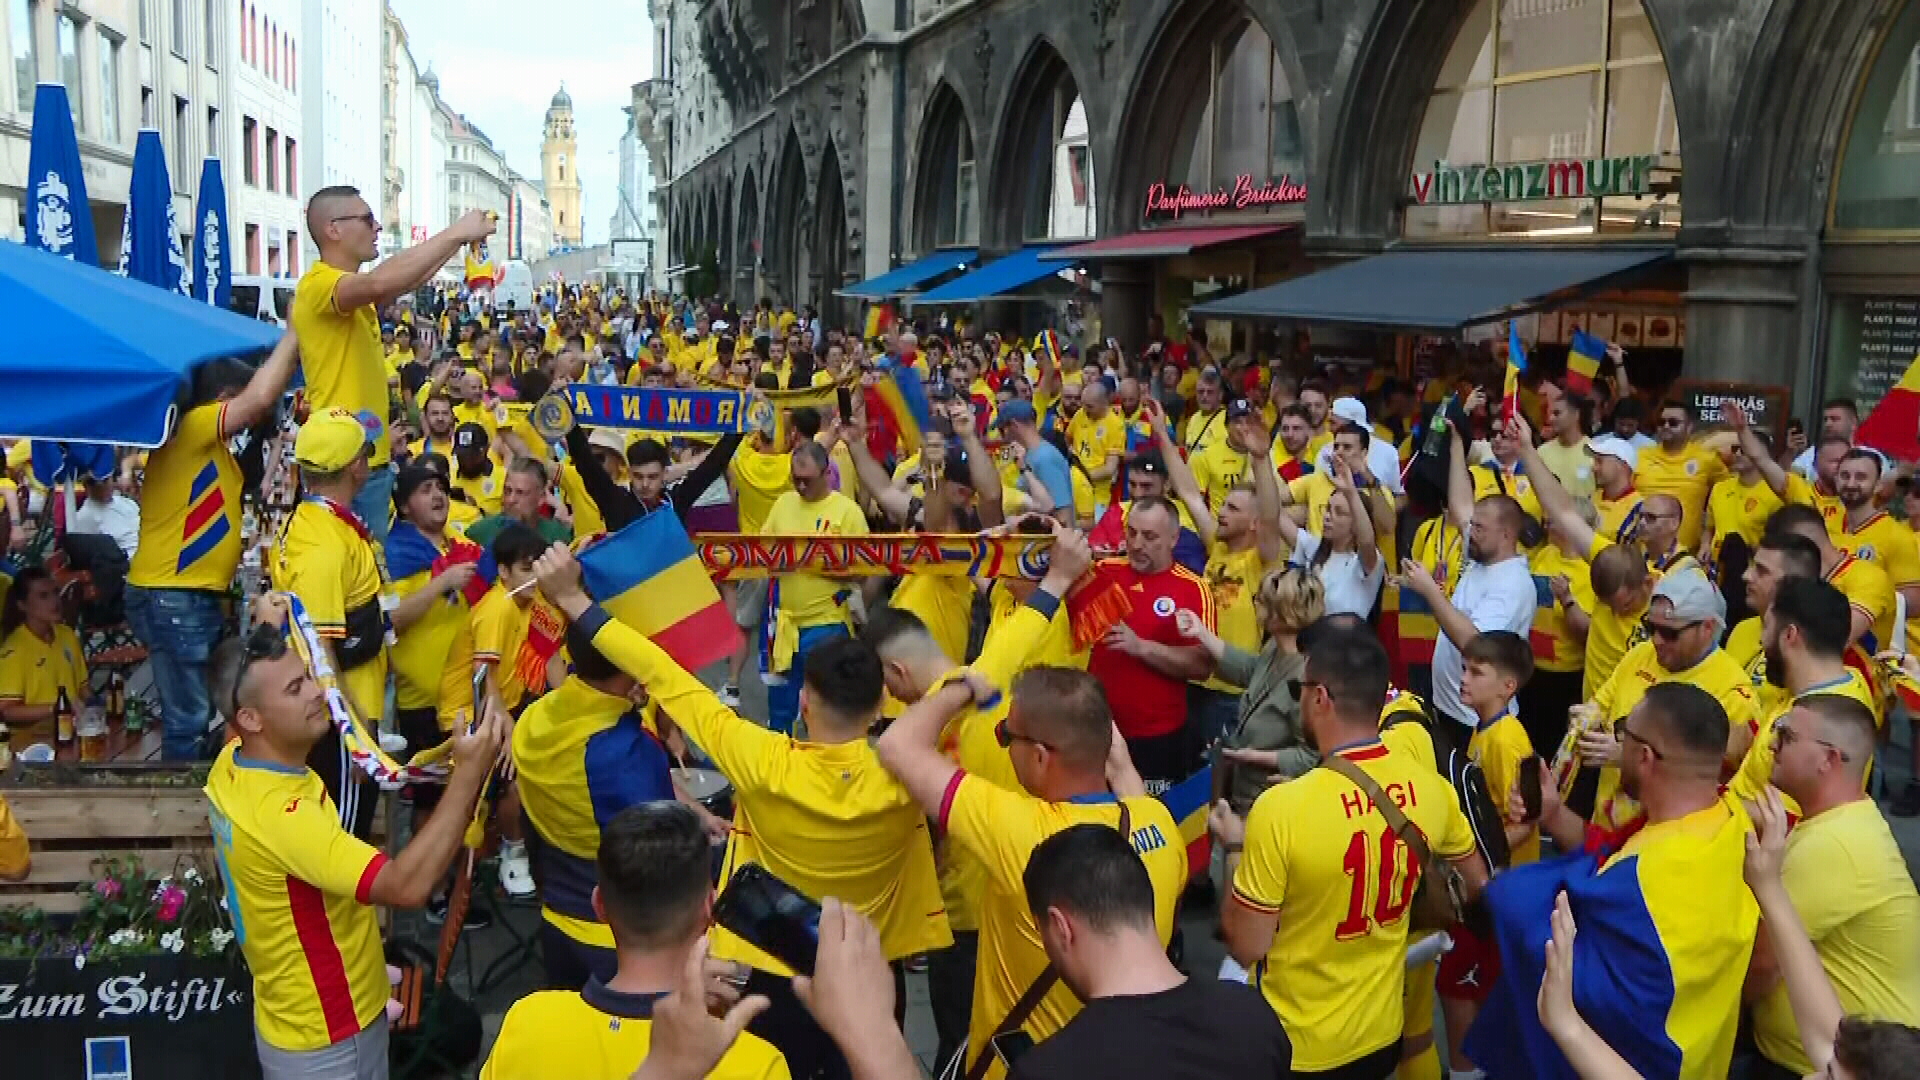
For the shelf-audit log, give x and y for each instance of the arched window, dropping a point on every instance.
(1550, 118)
(1879, 186)
(945, 203)
(1046, 186)
(1242, 122)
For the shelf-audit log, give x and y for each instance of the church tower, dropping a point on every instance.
(560, 167)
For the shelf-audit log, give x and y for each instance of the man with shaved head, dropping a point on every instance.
(336, 316)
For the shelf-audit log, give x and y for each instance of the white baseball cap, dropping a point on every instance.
(1351, 410)
(1614, 446)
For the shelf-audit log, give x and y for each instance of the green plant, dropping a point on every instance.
(128, 912)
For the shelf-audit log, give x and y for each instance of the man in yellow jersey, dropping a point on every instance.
(190, 540)
(1098, 436)
(656, 894)
(1328, 943)
(759, 472)
(1563, 616)
(328, 557)
(1792, 487)
(1685, 619)
(583, 753)
(335, 314)
(1846, 877)
(1805, 651)
(821, 815)
(1243, 542)
(1222, 463)
(1306, 498)
(1737, 507)
(1208, 422)
(1565, 451)
(1505, 474)
(1865, 583)
(1317, 398)
(436, 418)
(1680, 865)
(812, 609)
(1614, 462)
(1676, 465)
(1060, 737)
(1295, 433)
(301, 891)
(1779, 557)
(1870, 533)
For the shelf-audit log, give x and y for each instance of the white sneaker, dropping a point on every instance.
(516, 874)
(730, 695)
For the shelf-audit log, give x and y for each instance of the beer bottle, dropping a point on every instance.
(63, 719)
(116, 700)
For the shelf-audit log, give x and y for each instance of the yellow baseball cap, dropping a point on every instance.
(330, 440)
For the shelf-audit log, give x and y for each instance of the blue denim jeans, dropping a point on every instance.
(374, 504)
(179, 627)
(783, 701)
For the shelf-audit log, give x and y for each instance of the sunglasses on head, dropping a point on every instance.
(263, 643)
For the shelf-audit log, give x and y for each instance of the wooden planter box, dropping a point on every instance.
(155, 1018)
(76, 815)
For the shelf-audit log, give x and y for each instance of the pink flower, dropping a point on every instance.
(172, 899)
(106, 888)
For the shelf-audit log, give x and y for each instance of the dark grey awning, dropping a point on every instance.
(1438, 288)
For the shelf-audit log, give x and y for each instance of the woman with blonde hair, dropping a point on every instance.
(1269, 738)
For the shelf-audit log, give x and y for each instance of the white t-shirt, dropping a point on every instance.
(118, 519)
(1351, 589)
(1804, 463)
(1499, 596)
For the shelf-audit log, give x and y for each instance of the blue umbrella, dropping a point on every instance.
(150, 242)
(59, 220)
(212, 269)
(88, 356)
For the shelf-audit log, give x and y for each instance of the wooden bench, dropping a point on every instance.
(72, 828)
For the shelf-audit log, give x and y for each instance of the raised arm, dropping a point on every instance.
(1363, 536)
(264, 389)
(1555, 503)
(893, 502)
(1180, 474)
(1459, 480)
(1755, 450)
(982, 472)
(411, 267)
(1268, 491)
(1816, 1008)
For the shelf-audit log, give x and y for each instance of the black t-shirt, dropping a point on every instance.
(1199, 1030)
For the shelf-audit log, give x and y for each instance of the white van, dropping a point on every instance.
(516, 285)
(269, 299)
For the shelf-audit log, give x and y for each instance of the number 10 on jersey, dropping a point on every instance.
(1382, 865)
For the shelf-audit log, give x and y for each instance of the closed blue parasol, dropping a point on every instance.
(89, 356)
(58, 216)
(212, 268)
(150, 248)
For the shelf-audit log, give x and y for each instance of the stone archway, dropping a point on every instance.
(945, 197)
(746, 243)
(787, 210)
(829, 263)
(1037, 180)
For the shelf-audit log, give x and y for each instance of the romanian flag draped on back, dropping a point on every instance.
(1516, 363)
(648, 576)
(1893, 427)
(1187, 801)
(1583, 361)
(904, 398)
(1661, 927)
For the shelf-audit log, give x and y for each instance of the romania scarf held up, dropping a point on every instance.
(361, 746)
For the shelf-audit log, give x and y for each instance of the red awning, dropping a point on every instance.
(1155, 243)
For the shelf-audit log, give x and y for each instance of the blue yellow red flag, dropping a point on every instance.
(1583, 361)
(1516, 363)
(1188, 802)
(648, 576)
(904, 397)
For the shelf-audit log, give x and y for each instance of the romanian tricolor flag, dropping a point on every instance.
(1660, 927)
(1541, 636)
(1418, 630)
(904, 398)
(648, 576)
(480, 268)
(1188, 802)
(1893, 427)
(879, 321)
(1047, 344)
(206, 525)
(1516, 364)
(1583, 361)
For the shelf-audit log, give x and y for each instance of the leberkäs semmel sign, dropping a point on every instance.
(1566, 178)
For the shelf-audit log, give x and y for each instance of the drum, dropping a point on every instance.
(708, 788)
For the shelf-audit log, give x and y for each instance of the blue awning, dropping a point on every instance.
(898, 281)
(1443, 289)
(1023, 267)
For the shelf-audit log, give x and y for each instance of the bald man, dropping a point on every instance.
(336, 317)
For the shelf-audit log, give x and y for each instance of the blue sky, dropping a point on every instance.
(502, 73)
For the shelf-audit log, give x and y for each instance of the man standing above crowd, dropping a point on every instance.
(812, 609)
(1682, 468)
(327, 556)
(335, 315)
(302, 891)
(1145, 662)
(1059, 734)
(190, 539)
(1314, 910)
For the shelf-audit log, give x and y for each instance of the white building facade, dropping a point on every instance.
(529, 225)
(413, 144)
(340, 96)
(265, 147)
(476, 173)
